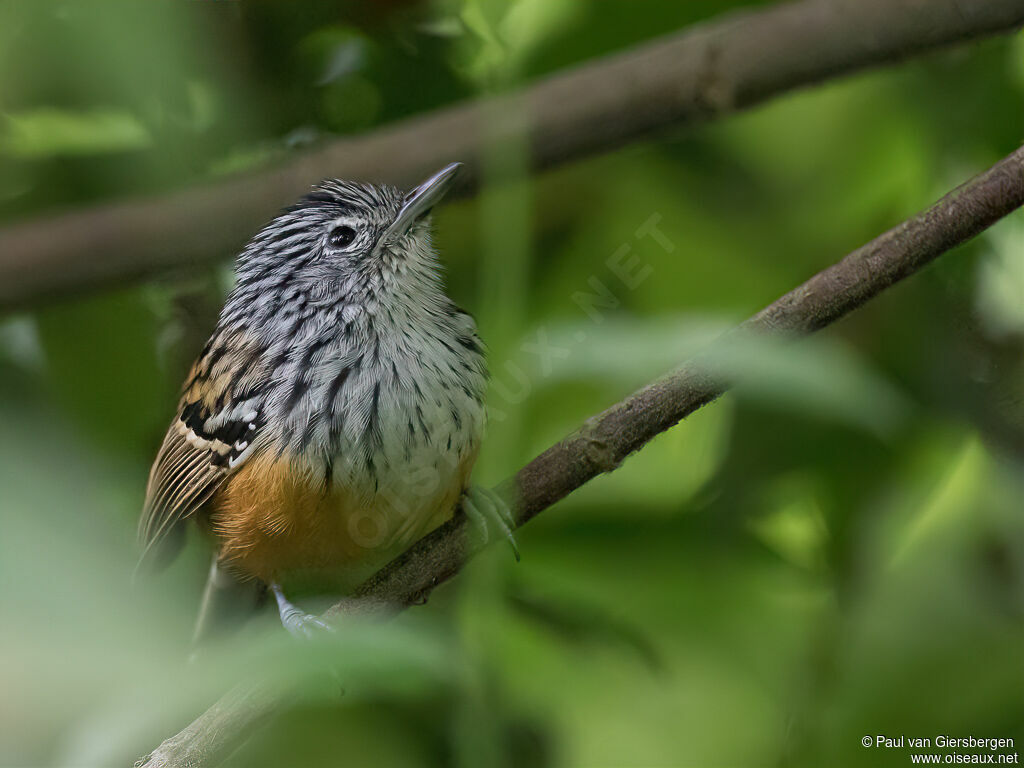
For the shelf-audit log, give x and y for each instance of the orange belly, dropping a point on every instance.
(273, 522)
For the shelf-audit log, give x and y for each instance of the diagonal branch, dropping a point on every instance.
(605, 440)
(710, 70)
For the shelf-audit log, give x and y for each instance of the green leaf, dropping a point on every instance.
(1000, 292)
(51, 132)
(818, 375)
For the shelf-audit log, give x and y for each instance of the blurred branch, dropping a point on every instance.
(710, 70)
(605, 440)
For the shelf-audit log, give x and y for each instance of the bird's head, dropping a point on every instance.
(348, 241)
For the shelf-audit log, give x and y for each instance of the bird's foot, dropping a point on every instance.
(298, 623)
(489, 516)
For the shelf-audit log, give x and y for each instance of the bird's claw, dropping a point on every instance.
(488, 514)
(300, 624)
(304, 625)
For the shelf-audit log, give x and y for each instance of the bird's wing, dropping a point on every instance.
(217, 429)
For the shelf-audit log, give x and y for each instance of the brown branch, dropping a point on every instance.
(607, 439)
(713, 69)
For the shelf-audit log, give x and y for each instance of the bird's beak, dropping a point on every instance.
(421, 200)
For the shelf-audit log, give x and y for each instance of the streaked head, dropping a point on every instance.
(346, 239)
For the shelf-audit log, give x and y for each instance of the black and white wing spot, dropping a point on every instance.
(227, 437)
(199, 451)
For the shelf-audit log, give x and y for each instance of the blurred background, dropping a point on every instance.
(834, 549)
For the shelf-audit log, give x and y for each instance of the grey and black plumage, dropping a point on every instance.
(336, 412)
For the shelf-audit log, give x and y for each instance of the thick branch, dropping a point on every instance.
(710, 70)
(607, 439)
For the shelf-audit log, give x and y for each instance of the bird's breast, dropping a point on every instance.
(278, 522)
(375, 443)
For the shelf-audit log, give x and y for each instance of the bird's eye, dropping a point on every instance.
(341, 236)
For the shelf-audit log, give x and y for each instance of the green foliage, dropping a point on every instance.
(51, 132)
(833, 549)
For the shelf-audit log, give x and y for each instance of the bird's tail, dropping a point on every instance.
(227, 603)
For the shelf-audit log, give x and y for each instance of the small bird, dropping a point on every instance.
(336, 412)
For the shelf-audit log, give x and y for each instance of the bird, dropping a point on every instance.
(336, 412)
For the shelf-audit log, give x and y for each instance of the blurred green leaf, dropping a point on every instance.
(1000, 295)
(794, 527)
(951, 501)
(48, 132)
(504, 34)
(576, 622)
(818, 375)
